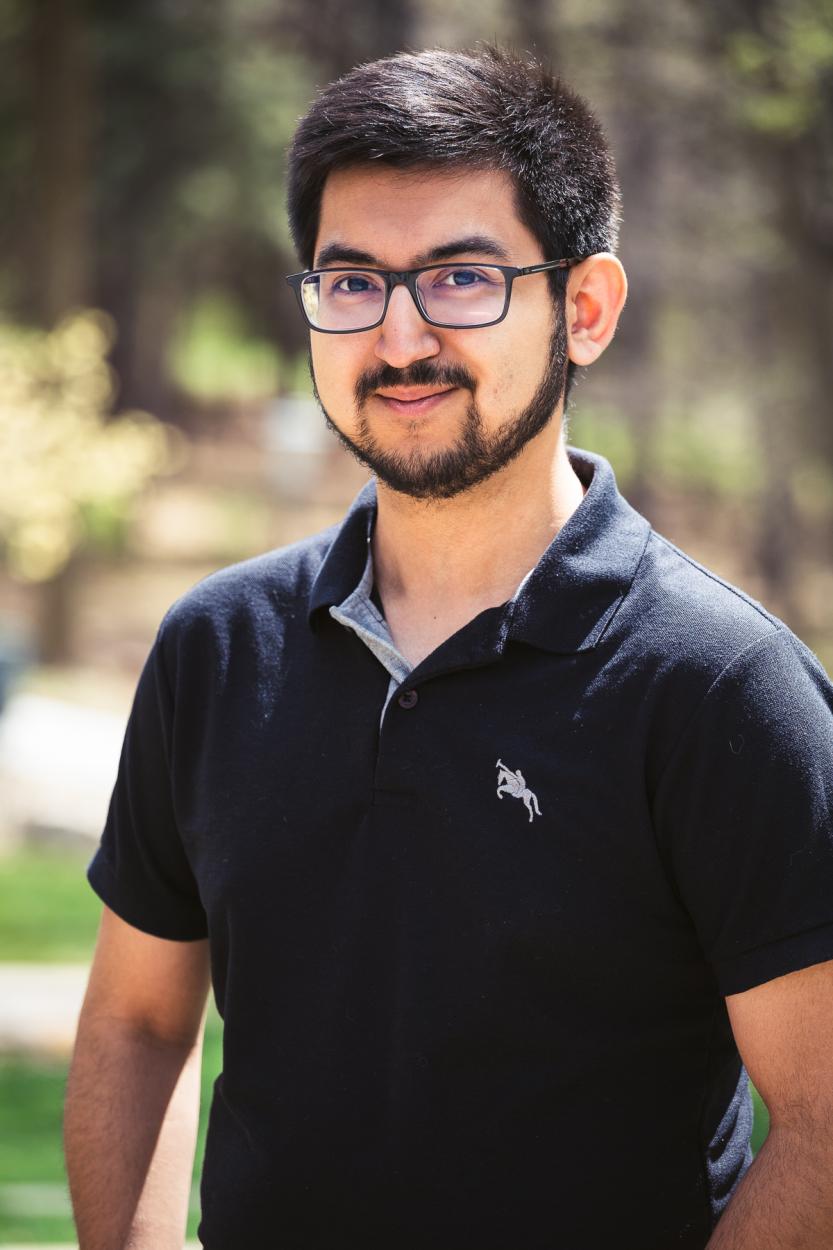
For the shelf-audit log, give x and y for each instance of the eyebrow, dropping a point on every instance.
(342, 253)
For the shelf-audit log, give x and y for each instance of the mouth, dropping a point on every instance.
(413, 400)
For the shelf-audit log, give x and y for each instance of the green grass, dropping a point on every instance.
(31, 1105)
(761, 1126)
(47, 911)
(31, 1094)
(35, 1230)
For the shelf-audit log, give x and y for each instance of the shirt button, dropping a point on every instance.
(408, 698)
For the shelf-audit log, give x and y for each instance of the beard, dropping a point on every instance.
(476, 455)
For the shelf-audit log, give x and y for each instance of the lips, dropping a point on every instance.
(413, 401)
(412, 394)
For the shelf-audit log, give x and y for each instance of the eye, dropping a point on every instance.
(465, 277)
(355, 284)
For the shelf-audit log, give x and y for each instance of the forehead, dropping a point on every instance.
(396, 215)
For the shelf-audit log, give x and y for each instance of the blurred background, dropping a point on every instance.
(156, 420)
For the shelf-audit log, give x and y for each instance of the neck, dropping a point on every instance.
(472, 551)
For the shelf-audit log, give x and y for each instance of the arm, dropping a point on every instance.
(784, 1032)
(133, 1091)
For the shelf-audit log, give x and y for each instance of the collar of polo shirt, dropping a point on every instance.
(566, 603)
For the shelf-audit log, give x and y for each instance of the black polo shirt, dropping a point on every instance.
(472, 961)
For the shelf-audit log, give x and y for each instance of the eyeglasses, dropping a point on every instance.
(453, 297)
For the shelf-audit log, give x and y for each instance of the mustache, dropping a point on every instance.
(420, 373)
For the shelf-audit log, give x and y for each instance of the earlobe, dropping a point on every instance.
(595, 297)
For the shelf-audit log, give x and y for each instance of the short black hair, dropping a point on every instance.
(487, 108)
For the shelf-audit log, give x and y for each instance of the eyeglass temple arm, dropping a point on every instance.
(552, 264)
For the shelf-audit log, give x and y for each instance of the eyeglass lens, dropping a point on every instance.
(459, 295)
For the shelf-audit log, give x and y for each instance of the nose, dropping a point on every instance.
(404, 336)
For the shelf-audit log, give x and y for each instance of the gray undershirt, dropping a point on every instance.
(359, 613)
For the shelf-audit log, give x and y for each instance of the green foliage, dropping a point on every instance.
(811, 485)
(711, 449)
(267, 88)
(781, 67)
(604, 431)
(69, 474)
(213, 355)
(297, 379)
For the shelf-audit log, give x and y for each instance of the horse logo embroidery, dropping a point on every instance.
(509, 782)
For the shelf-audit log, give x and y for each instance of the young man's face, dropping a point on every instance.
(434, 411)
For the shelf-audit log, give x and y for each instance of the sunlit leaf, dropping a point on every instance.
(70, 472)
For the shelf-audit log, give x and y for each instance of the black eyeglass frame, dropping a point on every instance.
(408, 278)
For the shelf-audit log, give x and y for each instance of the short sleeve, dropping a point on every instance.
(744, 815)
(141, 870)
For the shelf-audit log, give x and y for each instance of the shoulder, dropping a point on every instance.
(687, 616)
(701, 652)
(262, 595)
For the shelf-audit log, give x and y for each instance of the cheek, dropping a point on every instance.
(334, 371)
(520, 362)
(509, 375)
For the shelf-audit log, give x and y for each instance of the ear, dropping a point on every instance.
(595, 296)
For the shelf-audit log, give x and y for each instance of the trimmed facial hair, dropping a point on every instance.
(476, 455)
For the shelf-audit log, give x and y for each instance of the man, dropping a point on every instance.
(505, 826)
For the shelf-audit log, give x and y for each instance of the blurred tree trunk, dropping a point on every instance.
(59, 243)
(803, 315)
(789, 130)
(778, 524)
(639, 148)
(59, 82)
(533, 26)
(160, 65)
(55, 616)
(335, 38)
(794, 376)
(806, 211)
